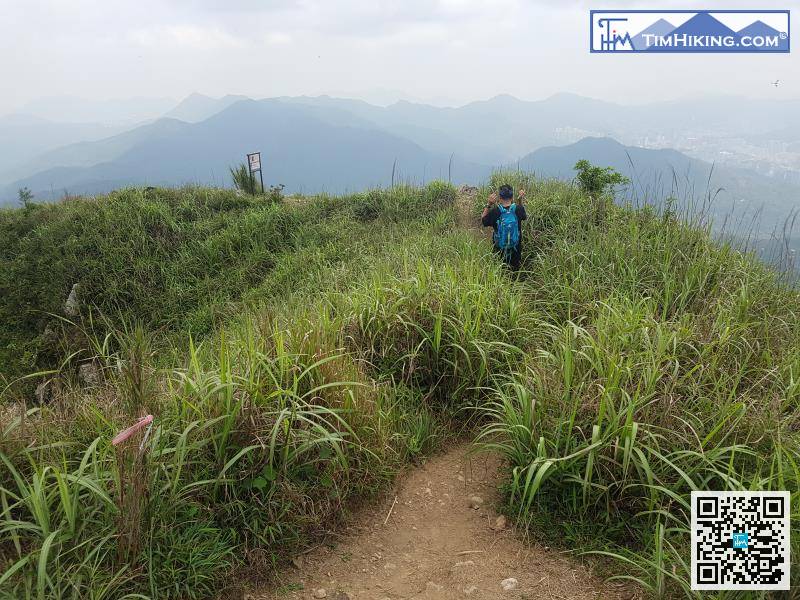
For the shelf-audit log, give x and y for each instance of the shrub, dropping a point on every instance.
(244, 180)
(25, 197)
(595, 181)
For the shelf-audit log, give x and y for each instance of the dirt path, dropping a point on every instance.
(427, 541)
(465, 211)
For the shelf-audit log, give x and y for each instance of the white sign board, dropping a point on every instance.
(255, 161)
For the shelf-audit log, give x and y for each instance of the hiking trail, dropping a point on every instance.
(438, 535)
(466, 217)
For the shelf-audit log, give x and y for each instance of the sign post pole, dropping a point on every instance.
(254, 164)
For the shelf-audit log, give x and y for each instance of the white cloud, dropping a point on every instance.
(427, 48)
(277, 38)
(192, 36)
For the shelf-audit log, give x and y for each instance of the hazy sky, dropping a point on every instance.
(459, 50)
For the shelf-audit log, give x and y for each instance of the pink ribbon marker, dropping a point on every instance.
(126, 433)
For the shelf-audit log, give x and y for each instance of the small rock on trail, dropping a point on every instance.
(509, 584)
(434, 544)
(475, 502)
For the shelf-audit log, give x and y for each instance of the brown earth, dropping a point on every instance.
(428, 541)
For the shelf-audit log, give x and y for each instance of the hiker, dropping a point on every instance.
(506, 220)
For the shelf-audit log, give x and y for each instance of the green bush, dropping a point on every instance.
(594, 180)
(244, 180)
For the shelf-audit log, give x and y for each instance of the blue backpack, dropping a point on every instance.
(506, 236)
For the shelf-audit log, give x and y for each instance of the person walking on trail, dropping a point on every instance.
(505, 216)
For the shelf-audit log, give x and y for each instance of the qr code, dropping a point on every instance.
(740, 540)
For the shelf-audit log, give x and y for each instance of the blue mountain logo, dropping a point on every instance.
(699, 31)
(704, 24)
(701, 25)
(660, 28)
(759, 28)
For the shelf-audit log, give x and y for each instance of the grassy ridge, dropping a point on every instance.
(251, 423)
(159, 256)
(634, 361)
(172, 259)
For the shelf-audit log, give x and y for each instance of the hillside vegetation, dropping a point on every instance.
(297, 352)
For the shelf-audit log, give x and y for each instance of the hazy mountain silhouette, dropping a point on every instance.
(117, 112)
(491, 132)
(86, 154)
(488, 132)
(739, 196)
(558, 161)
(197, 107)
(503, 128)
(25, 137)
(299, 149)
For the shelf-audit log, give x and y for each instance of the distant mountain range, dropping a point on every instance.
(115, 112)
(197, 107)
(89, 153)
(23, 138)
(742, 200)
(489, 132)
(313, 144)
(303, 147)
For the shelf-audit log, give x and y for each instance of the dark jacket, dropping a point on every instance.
(514, 257)
(491, 218)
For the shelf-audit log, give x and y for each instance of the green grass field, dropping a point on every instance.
(297, 354)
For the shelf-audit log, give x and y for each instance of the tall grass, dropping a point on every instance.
(178, 260)
(664, 364)
(262, 431)
(244, 180)
(633, 361)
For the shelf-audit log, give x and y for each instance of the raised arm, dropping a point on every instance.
(489, 206)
